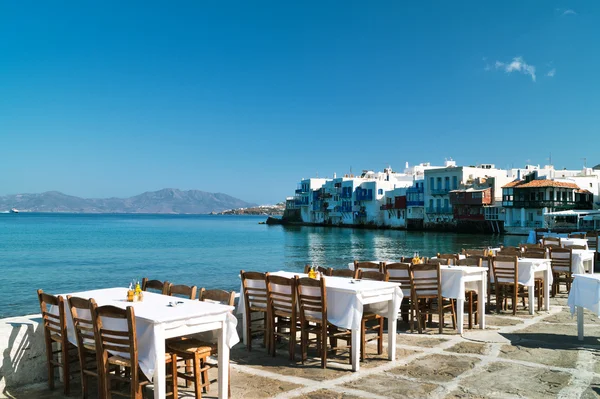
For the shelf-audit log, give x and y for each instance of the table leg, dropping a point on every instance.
(579, 322)
(159, 369)
(244, 323)
(547, 287)
(223, 359)
(355, 355)
(460, 315)
(531, 292)
(392, 325)
(481, 299)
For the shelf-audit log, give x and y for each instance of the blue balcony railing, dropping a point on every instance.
(364, 196)
(439, 191)
(415, 203)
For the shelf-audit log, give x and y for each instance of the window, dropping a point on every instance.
(380, 191)
(454, 182)
(439, 183)
(431, 183)
(446, 205)
(430, 204)
(439, 204)
(447, 182)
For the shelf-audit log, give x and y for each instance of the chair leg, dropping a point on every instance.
(441, 316)
(49, 357)
(470, 310)
(411, 316)
(380, 337)
(188, 370)
(515, 299)
(174, 387)
(323, 345)
(498, 299)
(66, 369)
(292, 340)
(197, 378)
(205, 380)
(363, 339)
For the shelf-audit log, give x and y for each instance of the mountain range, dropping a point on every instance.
(168, 200)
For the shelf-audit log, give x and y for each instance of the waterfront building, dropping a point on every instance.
(528, 200)
(393, 210)
(440, 182)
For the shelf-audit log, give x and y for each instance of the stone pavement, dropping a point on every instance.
(516, 356)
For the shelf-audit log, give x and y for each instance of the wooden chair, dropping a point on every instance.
(536, 253)
(368, 265)
(112, 344)
(55, 332)
(506, 274)
(562, 272)
(155, 285)
(344, 273)
(577, 235)
(427, 292)
(486, 261)
(312, 301)
(593, 241)
(254, 291)
(471, 252)
(451, 258)
(509, 251)
(525, 247)
(436, 261)
(282, 312)
(319, 269)
(86, 344)
(547, 241)
(182, 290)
(574, 246)
(471, 296)
(400, 273)
(197, 351)
(539, 233)
(367, 317)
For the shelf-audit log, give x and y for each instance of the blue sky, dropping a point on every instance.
(246, 98)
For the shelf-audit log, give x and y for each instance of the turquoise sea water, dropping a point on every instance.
(63, 253)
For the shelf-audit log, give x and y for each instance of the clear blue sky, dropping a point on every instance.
(115, 98)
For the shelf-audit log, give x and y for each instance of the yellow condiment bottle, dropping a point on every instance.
(138, 291)
(311, 273)
(130, 293)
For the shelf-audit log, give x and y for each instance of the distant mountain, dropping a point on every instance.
(271, 210)
(168, 200)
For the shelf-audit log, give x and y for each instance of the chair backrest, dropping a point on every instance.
(155, 285)
(436, 261)
(221, 296)
(81, 313)
(525, 247)
(592, 240)
(577, 235)
(281, 295)
(319, 269)
(472, 252)
(451, 258)
(55, 323)
(551, 241)
(470, 261)
(254, 290)
(484, 259)
(114, 331)
(538, 253)
(183, 290)
(312, 299)
(368, 265)
(539, 233)
(344, 273)
(561, 259)
(509, 251)
(426, 281)
(400, 273)
(506, 269)
(372, 275)
(575, 246)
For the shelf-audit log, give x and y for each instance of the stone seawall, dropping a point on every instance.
(23, 360)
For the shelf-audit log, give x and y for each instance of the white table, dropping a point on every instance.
(155, 322)
(582, 261)
(528, 268)
(456, 280)
(585, 293)
(572, 241)
(345, 303)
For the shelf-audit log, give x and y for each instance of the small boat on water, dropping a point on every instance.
(14, 210)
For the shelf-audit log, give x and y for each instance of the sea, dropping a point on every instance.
(65, 253)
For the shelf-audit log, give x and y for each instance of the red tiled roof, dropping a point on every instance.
(540, 183)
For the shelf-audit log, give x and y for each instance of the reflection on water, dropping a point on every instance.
(336, 247)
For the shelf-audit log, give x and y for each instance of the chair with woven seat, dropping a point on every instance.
(81, 313)
(427, 295)
(312, 304)
(561, 260)
(254, 292)
(117, 348)
(399, 272)
(282, 312)
(55, 333)
(371, 316)
(592, 242)
(197, 351)
(155, 286)
(506, 274)
(472, 298)
(182, 290)
(486, 261)
(368, 265)
(319, 269)
(344, 273)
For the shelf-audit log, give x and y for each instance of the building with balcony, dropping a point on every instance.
(527, 201)
(393, 209)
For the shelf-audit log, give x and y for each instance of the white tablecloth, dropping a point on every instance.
(453, 280)
(585, 292)
(530, 268)
(582, 261)
(345, 298)
(151, 312)
(572, 241)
